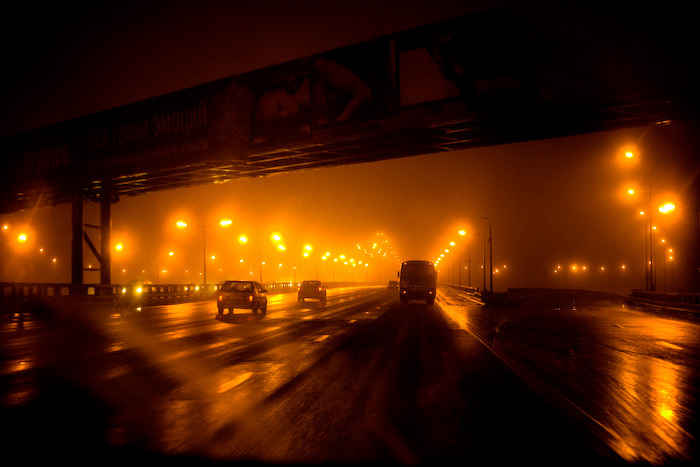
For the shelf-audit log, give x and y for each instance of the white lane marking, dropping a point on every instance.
(669, 345)
(322, 338)
(238, 380)
(194, 350)
(215, 345)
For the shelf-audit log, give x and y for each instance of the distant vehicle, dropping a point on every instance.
(311, 289)
(247, 295)
(393, 285)
(417, 281)
(131, 295)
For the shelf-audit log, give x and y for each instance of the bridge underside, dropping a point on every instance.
(411, 135)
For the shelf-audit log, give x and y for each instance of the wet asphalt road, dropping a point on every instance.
(361, 380)
(629, 373)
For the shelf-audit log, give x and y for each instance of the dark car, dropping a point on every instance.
(311, 289)
(393, 285)
(248, 295)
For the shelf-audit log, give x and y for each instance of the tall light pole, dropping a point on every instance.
(483, 260)
(652, 285)
(5, 227)
(461, 233)
(649, 266)
(649, 242)
(490, 253)
(182, 225)
(243, 239)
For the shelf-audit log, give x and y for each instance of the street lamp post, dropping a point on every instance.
(649, 244)
(182, 225)
(461, 233)
(483, 260)
(649, 248)
(2, 251)
(490, 254)
(652, 285)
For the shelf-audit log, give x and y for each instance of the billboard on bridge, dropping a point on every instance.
(489, 63)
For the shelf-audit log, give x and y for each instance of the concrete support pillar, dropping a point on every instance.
(105, 238)
(77, 242)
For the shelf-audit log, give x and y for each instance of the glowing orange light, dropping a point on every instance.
(666, 208)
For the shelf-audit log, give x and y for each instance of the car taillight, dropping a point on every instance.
(250, 298)
(319, 289)
(221, 297)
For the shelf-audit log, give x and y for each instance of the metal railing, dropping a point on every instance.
(18, 294)
(683, 299)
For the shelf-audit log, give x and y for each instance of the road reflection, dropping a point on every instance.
(651, 394)
(629, 374)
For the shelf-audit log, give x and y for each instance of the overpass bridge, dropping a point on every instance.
(492, 77)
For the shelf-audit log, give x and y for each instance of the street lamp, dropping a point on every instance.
(490, 254)
(667, 208)
(461, 233)
(243, 239)
(483, 260)
(182, 225)
(649, 267)
(649, 247)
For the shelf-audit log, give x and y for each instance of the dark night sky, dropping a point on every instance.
(556, 201)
